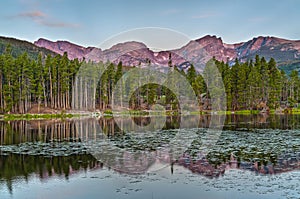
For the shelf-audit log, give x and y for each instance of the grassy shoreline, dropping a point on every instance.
(109, 113)
(38, 116)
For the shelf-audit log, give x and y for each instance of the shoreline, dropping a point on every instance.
(130, 113)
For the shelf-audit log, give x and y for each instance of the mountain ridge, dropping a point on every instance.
(285, 52)
(197, 51)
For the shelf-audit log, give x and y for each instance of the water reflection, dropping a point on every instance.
(14, 132)
(284, 163)
(15, 166)
(262, 121)
(54, 147)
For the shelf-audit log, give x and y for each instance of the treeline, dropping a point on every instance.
(253, 85)
(259, 84)
(59, 83)
(25, 82)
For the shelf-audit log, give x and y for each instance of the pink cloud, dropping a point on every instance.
(33, 14)
(41, 18)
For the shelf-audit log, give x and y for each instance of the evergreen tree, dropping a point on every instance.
(293, 89)
(53, 82)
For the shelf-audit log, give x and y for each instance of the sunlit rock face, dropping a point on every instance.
(198, 52)
(74, 51)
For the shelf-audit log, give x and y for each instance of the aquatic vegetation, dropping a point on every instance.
(47, 149)
(240, 143)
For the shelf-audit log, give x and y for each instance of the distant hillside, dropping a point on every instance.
(20, 46)
(285, 52)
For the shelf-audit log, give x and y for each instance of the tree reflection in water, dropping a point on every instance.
(13, 166)
(241, 145)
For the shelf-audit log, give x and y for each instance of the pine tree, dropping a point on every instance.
(8, 80)
(234, 84)
(53, 82)
(242, 73)
(253, 87)
(293, 88)
(275, 84)
(39, 81)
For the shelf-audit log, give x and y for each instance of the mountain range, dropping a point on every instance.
(285, 52)
(198, 52)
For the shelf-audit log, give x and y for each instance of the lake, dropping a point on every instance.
(203, 156)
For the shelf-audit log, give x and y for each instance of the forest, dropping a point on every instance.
(49, 81)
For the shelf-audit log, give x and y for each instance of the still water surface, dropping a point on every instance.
(255, 156)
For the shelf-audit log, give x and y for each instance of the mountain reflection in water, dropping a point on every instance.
(259, 143)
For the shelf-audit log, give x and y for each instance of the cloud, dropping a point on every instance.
(33, 14)
(41, 18)
(204, 16)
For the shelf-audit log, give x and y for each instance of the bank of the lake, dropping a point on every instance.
(110, 113)
(62, 114)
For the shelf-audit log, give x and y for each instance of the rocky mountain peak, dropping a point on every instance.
(197, 52)
(74, 51)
